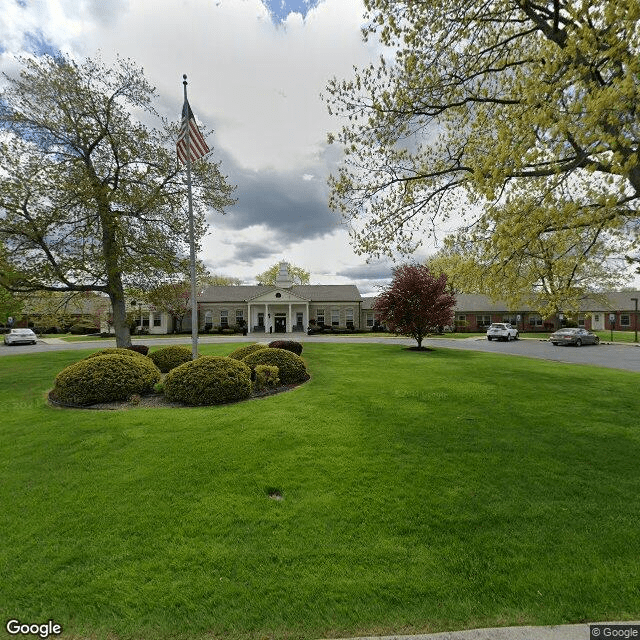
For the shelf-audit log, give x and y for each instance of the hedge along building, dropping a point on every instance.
(283, 308)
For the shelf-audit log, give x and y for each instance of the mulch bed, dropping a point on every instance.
(159, 401)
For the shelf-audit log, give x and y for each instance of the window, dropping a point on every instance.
(335, 317)
(208, 320)
(596, 317)
(512, 320)
(145, 320)
(483, 321)
(349, 318)
(157, 319)
(370, 319)
(581, 321)
(535, 320)
(224, 318)
(462, 317)
(239, 317)
(320, 316)
(625, 320)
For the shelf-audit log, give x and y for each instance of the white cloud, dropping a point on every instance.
(255, 75)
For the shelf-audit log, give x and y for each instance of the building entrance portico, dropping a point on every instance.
(278, 311)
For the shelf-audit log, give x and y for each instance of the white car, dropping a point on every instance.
(502, 331)
(20, 336)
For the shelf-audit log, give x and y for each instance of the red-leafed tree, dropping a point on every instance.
(416, 302)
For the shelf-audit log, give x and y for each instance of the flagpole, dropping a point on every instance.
(192, 244)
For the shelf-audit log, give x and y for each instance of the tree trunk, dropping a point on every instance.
(120, 324)
(115, 288)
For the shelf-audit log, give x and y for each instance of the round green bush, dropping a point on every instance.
(115, 351)
(106, 378)
(242, 352)
(208, 380)
(291, 368)
(168, 358)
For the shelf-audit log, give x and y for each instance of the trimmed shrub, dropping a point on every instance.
(243, 352)
(289, 345)
(208, 380)
(139, 348)
(266, 377)
(291, 367)
(110, 351)
(168, 358)
(83, 328)
(105, 378)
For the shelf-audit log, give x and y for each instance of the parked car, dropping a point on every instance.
(20, 336)
(502, 331)
(574, 336)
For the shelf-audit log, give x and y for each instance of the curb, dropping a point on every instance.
(553, 632)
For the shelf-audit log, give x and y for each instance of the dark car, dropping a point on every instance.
(574, 336)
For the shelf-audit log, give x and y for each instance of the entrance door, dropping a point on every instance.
(280, 324)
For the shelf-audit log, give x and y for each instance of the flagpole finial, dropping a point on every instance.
(184, 76)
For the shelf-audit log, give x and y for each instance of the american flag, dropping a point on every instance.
(197, 144)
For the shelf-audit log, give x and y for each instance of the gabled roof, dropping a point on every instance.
(328, 292)
(615, 301)
(279, 295)
(311, 292)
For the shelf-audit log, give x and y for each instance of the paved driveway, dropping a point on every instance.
(615, 356)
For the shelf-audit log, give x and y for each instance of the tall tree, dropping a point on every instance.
(91, 198)
(416, 302)
(297, 274)
(486, 103)
(550, 272)
(215, 280)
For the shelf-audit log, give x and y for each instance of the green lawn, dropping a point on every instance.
(422, 492)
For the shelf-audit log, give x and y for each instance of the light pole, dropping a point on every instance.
(134, 304)
(635, 320)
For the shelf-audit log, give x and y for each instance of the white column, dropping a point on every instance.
(289, 326)
(307, 318)
(267, 319)
(249, 323)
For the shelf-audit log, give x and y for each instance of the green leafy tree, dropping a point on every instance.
(297, 274)
(91, 198)
(10, 306)
(485, 106)
(214, 280)
(172, 297)
(416, 302)
(550, 273)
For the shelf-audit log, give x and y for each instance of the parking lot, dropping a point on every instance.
(612, 355)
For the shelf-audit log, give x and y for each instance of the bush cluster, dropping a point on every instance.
(242, 352)
(83, 328)
(168, 358)
(289, 345)
(105, 378)
(291, 367)
(208, 380)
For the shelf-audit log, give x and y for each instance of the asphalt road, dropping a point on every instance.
(612, 355)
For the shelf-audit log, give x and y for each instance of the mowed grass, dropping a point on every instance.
(421, 492)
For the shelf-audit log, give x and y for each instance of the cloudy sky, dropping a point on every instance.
(256, 69)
